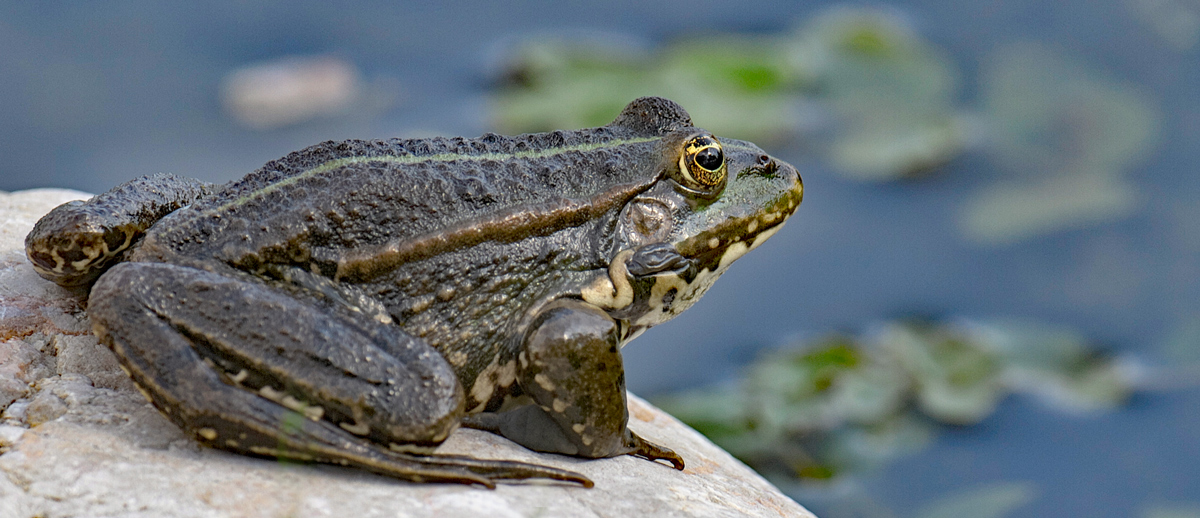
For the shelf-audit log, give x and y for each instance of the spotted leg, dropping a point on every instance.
(571, 367)
(244, 367)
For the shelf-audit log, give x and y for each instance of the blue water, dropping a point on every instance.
(92, 95)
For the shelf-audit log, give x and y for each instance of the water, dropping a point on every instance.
(93, 96)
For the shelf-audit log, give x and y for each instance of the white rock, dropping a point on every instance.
(98, 449)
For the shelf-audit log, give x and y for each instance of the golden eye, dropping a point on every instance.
(703, 162)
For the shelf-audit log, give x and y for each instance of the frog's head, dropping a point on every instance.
(716, 200)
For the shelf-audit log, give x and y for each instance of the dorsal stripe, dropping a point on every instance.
(338, 163)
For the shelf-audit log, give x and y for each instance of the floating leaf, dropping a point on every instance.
(990, 501)
(1054, 363)
(908, 145)
(956, 381)
(867, 447)
(843, 403)
(1172, 511)
(868, 60)
(714, 411)
(870, 394)
(890, 93)
(1011, 211)
(886, 95)
(1065, 135)
(738, 86)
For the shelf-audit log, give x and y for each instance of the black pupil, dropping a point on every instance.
(709, 158)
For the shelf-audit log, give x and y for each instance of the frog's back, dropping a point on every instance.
(364, 193)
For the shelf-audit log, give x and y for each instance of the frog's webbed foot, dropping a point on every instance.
(243, 367)
(74, 243)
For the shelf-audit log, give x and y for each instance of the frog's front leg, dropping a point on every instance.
(571, 367)
(245, 367)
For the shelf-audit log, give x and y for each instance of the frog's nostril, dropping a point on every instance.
(771, 167)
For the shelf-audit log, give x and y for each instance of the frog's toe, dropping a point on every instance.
(652, 452)
(496, 470)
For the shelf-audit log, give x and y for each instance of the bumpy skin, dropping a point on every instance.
(364, 295)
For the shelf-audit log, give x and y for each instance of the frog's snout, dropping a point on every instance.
(788, 177)
(797, 190)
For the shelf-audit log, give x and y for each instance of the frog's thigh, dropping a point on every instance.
(283, 370)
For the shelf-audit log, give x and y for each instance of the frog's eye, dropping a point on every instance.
(702, 163)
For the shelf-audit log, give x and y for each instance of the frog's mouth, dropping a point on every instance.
(727, 241)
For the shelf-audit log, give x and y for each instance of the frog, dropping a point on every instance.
(355, 302)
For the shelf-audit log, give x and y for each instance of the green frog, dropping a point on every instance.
(355, 302)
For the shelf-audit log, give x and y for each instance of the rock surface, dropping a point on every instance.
(77, 439)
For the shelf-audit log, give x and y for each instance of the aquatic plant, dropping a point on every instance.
(840, 404)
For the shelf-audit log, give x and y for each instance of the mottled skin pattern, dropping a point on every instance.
(360, 295)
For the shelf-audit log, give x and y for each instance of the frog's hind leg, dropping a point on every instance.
(74, 243)
(243, 367)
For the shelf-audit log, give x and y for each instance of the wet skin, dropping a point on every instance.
(355, 302)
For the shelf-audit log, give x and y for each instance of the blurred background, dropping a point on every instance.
(987, 305)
